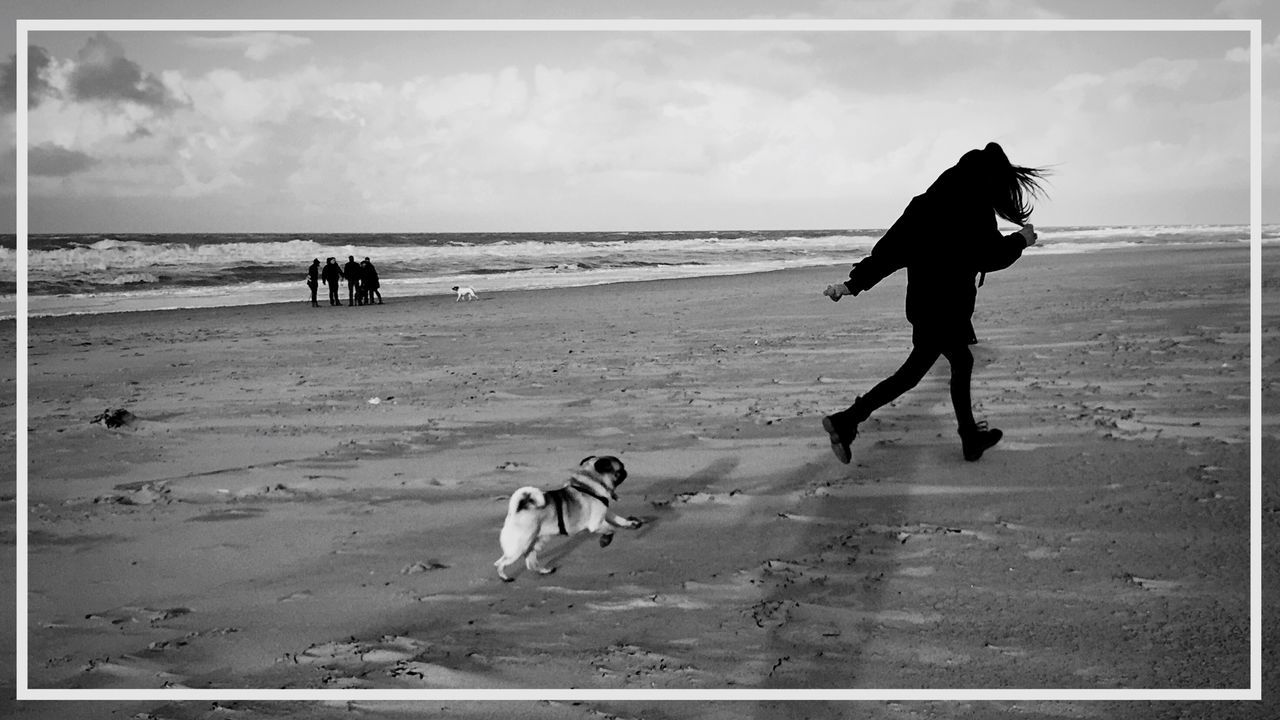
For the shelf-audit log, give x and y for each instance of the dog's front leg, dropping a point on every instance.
(602, 526)
(630, 523)
(610, 522)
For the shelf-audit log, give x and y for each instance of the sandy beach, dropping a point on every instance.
(311, 497)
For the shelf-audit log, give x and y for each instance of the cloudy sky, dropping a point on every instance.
(283, 130)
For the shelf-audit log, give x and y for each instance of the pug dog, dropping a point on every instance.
(581, 505)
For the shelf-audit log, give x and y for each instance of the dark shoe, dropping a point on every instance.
(841, 435)
(978, 440)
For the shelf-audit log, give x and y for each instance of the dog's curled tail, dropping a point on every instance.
(526, 497)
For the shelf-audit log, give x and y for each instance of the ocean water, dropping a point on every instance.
(71, 274)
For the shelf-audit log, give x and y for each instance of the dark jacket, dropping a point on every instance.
(352, 272)
(944, 238)
(332, 274)
(369, 276)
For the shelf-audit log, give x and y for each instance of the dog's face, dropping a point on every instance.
(606, 467)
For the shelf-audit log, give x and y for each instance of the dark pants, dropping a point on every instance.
(333, 294)
(313, 287)
(923, 355)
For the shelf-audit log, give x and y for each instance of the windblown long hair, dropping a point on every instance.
(986, 175)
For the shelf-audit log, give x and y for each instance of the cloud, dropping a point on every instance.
(936, 9)
(1171, 129)
(256, 46)
(9, 85)
(1239, 8)
(637, 125)
(102, 72)
(228, 99)
(49, 160)
(38, 87)
(723, 126)
(501, 93)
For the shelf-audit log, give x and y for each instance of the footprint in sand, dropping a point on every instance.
(229, 514)
(732, 497)
(181, 642)
(1159, 587)
(142, 493)
(388, 650)
(129, 614)
(136, 671)
(421, 567)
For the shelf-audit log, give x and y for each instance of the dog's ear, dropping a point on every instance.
(601, 465)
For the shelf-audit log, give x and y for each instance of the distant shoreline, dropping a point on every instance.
(92, 274)
(7, 238)
(838, 270)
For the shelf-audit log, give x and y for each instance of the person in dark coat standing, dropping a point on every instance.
(369, 281)
(945, 238)
(352, 272)
(332, 276)
(313, 280)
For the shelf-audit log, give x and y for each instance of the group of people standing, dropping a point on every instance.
(362, 281)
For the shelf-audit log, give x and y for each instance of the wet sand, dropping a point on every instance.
(310, 497)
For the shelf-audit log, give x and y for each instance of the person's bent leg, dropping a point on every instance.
(842, 427)
(913, 370)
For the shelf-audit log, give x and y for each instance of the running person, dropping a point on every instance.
(945, 238)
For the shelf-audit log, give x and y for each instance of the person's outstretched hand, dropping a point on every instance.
(1029, 234)
(837, 291)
